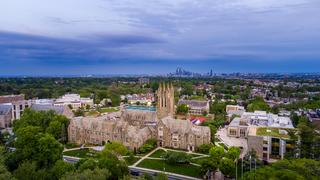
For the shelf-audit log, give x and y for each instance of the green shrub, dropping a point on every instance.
(177, 158)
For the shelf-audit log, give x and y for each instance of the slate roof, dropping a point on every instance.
(194, 103)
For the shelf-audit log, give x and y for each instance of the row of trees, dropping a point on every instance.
(36, 152)
(219, 159)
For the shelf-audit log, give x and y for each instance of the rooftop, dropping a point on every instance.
(273, 132)
(141, 108)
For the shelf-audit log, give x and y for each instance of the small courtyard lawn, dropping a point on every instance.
(190, 154)
(183, 169)
(92, 113)
(110, 109)
(81, 153)
(158, 153)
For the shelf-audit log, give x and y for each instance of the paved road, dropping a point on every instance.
(171, 176)
(70, 159)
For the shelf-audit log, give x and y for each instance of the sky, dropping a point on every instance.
(76, 37)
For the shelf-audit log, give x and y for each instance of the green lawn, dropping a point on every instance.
(198, 161)
(183, 169)
(131, 161)
(111, 109)
(158, 153)
(190, 154)
(81, 153)
(92, 113)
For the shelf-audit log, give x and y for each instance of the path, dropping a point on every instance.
(145, 156)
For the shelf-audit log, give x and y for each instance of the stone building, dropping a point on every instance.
(196, 107)
(165, 98)
(5, 116)
(134, 126)
(181, 134)
(107, 128)
(18, 104)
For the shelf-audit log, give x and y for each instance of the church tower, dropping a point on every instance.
(165, 96)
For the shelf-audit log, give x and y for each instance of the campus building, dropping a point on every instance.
(134, 125)
(196, 107)
(17, 103)
(74, 100)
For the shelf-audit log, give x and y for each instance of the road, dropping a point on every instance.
(171, 176)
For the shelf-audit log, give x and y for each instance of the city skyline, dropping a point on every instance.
(156, 37)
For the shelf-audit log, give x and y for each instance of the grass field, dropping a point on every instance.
(183, 169)
(158, 153)
(131, 161)
(106, 110)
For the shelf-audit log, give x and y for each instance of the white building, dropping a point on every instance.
(73, 100)
(239, 125)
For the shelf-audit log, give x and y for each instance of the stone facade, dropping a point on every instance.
(5, 116)
(181, 134)
(165, 97)
(18, 104)
(133, 127)
(97, 130)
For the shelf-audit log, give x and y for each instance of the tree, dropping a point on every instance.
(161, 176)
(233, 153)
(4, 173)
(49, 151)
(204, 148)
(177, 158)
(116, 148)
(182, 109)
(208, 165)
(149, 145)
(258, 104)
(88, 164)
(96, 174)
(60, 168)
(287, 169)
(227, 167)
(46, 121)
(55, 129)
(27, 141)
(216, 153)
(110, 161)
(26, 170)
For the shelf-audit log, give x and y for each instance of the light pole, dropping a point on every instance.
(237, 169)
(242, 168)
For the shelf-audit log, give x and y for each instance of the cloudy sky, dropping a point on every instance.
(39, 37)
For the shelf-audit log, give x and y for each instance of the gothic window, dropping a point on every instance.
(233, 132)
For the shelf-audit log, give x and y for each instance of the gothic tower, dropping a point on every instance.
(165, 97)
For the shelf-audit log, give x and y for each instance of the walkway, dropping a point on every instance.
(146, 156)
